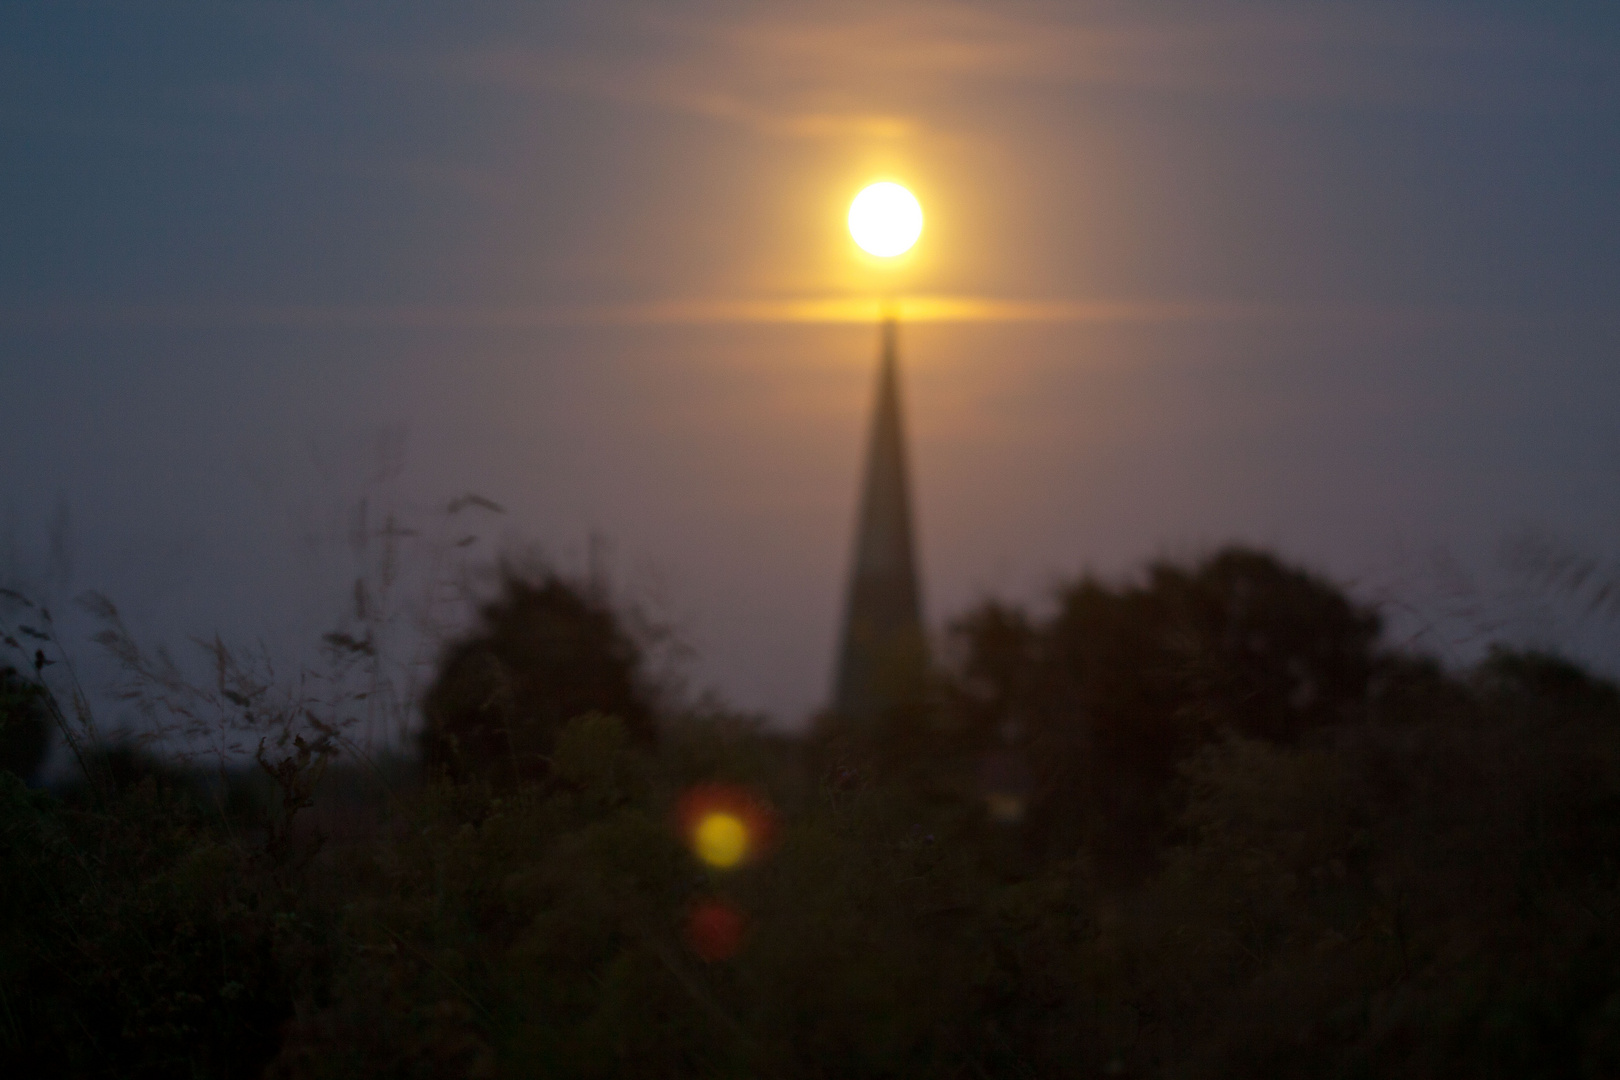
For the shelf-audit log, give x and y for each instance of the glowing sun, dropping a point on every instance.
(885, 219)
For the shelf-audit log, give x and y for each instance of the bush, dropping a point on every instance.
(1417, 874)
(543, 653)
(1110, 694)
(136, 942)
(1435, 899)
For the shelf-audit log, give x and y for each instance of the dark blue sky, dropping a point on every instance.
(1337, 278)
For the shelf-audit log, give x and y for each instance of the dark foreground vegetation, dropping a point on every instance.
(1199, 824)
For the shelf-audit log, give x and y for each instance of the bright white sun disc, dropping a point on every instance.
(885, 219)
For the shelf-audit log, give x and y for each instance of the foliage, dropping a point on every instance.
(134, 941)
(1404, 872)
(1120, 685)
(1437, 900)
(545, 651)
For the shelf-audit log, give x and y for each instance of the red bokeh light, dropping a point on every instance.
(714, 930)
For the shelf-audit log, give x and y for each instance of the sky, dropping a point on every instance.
(1338, 279)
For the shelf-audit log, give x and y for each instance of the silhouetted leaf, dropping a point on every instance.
(37, 635)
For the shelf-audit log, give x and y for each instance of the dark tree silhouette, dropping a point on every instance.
(547, 650)
(1546, 682)
(1116, 689)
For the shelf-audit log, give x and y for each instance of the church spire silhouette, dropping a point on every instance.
(883, 657)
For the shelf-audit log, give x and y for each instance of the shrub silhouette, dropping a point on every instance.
(24, 724)
(1435, 898)
(547, 650)
(1403, 871)
(1542, 680)
(1109, 695)
(136, 941)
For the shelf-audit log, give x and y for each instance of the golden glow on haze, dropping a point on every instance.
(885, 219)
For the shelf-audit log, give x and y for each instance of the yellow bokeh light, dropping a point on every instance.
(885, 219)
(721, 839)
